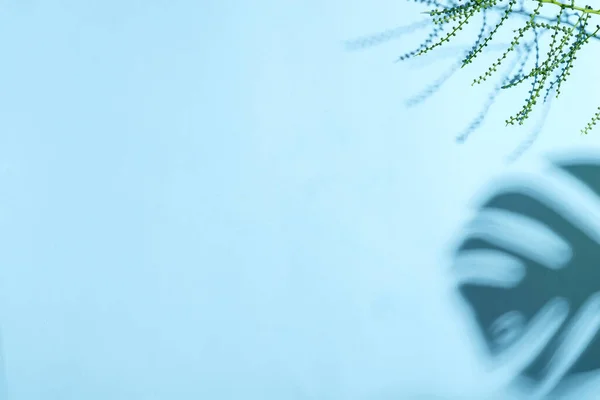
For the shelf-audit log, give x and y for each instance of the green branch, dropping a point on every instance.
(572, 6)
(550, 73)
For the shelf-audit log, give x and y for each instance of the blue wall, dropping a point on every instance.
(213, 200)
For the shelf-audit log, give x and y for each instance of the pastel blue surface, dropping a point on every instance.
(214, 200)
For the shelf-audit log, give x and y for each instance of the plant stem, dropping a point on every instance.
(571, 6)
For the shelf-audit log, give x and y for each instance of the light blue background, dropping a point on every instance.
(213, 200)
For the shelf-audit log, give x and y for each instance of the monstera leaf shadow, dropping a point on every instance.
(527, 266)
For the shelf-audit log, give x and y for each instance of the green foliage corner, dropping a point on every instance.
(544, 66)
(568, 38)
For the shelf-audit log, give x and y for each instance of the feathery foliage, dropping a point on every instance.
(544, 66)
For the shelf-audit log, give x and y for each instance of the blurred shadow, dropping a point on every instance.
(528, 267)
(523, 52)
